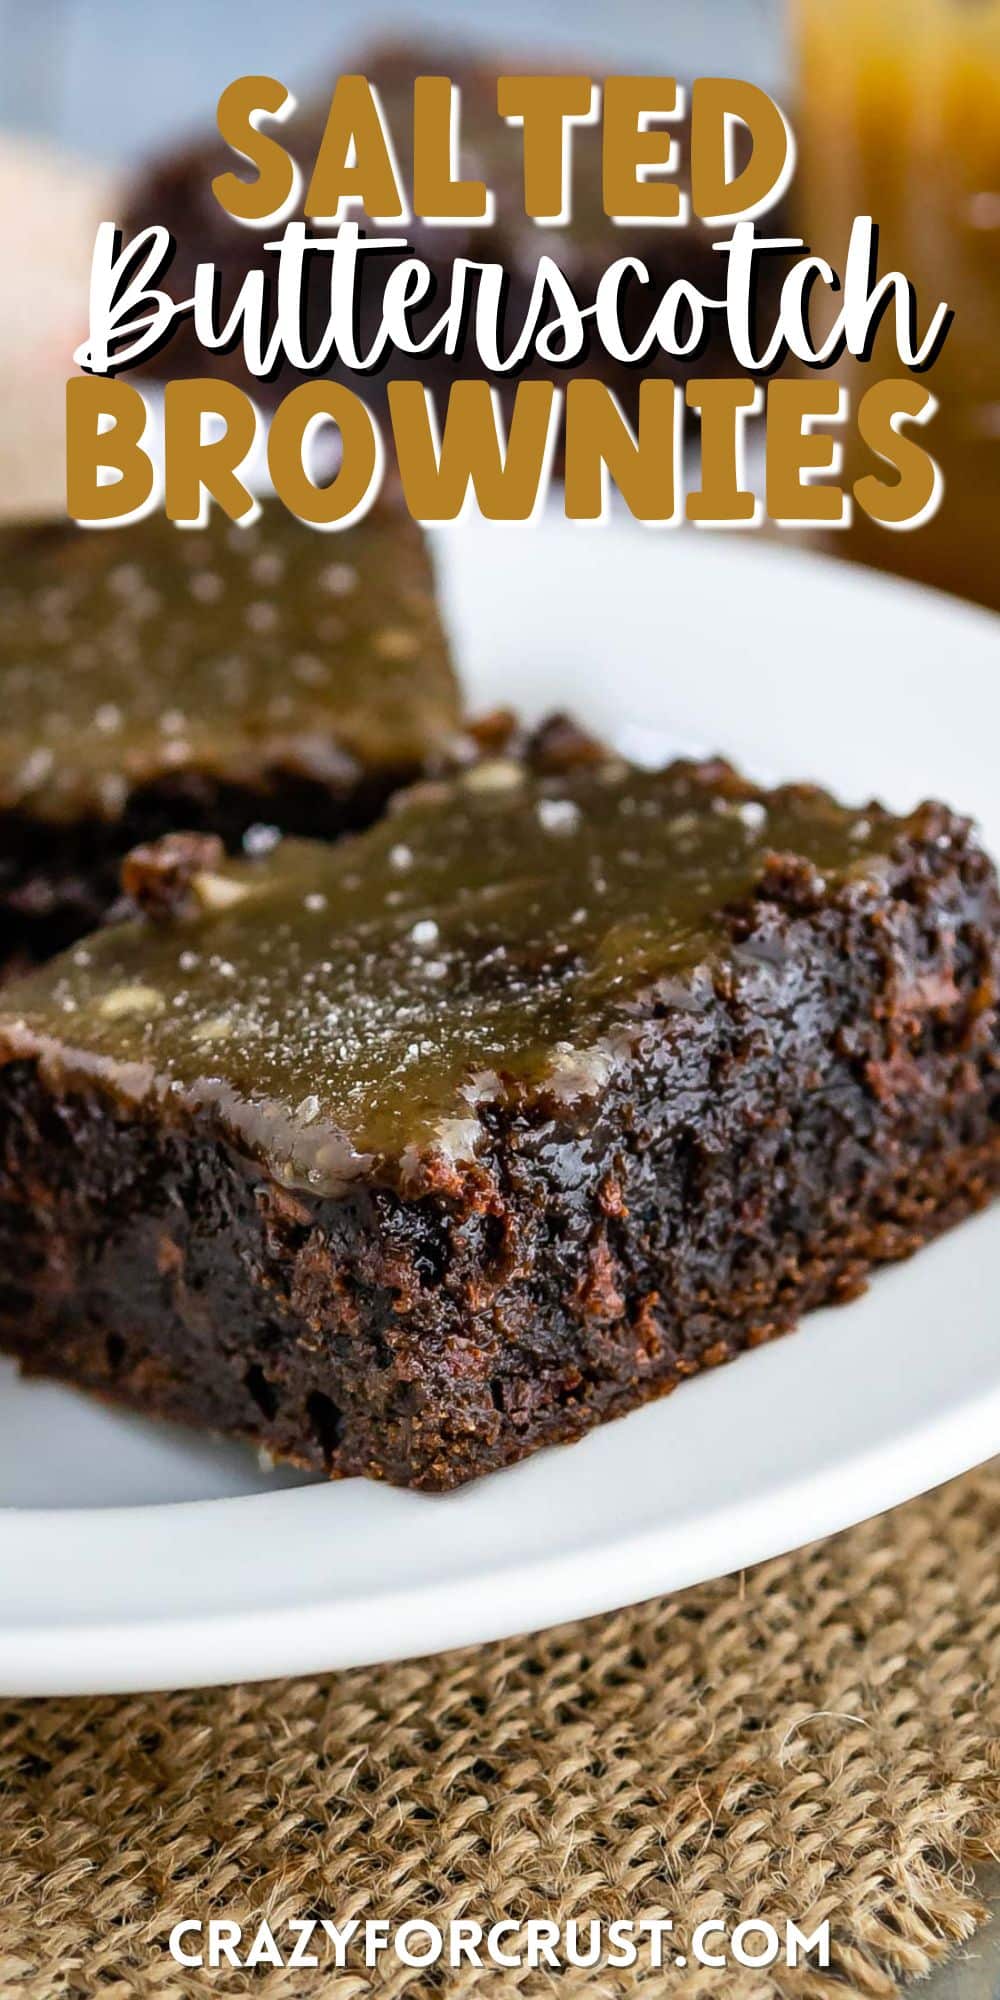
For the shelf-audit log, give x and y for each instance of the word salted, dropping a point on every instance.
(476, 460)
(355, 162)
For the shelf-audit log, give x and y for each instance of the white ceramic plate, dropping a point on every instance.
(132, 1556)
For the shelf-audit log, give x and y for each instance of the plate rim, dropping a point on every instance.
(166, 1652)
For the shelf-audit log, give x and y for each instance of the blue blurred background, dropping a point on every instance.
(112, 78)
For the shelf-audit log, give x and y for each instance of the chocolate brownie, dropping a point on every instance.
(407, 1155)
(176, 191)
(223, 678)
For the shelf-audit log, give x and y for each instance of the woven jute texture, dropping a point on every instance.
(817, 1738)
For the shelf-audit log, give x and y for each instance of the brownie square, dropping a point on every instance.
(220, 678)
(408, 1155)
(176, 191)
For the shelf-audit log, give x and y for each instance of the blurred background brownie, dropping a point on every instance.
(231, 680)
(176, 190)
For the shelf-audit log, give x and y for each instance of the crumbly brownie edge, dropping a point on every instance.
(833, 1104)
(59, 881)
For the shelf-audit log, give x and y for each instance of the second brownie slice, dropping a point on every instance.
(216, 679)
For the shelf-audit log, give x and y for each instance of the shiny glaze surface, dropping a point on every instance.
(339, 1007)
(132, 654)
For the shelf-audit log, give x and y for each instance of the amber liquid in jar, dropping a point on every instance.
(899, 119)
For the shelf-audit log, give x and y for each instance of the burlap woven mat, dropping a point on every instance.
(817, 1738)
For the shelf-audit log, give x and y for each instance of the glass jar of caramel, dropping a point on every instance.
(899, 118)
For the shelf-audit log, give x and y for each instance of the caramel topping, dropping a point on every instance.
(143, 652)
(358, 1006)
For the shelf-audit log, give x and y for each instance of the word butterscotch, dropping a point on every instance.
(475, 447)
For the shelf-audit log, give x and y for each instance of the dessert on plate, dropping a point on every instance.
(409, 1154)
